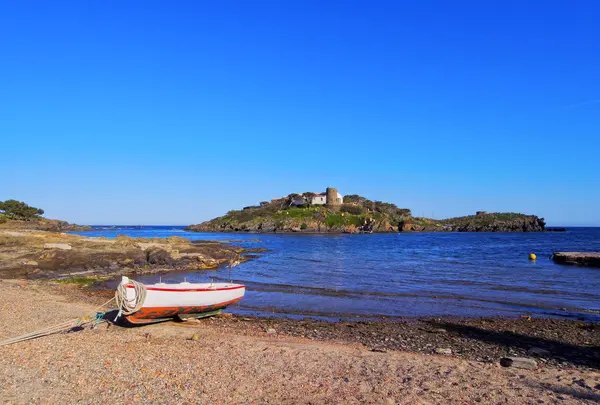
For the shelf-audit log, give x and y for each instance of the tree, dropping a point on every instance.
(19, 210)
(309, 197)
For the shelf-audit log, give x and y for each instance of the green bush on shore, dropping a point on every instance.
(13, 209)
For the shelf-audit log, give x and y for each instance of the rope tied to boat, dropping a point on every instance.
(126, 305)
(61, 327)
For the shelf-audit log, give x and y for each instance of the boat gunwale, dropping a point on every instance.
(167, 289)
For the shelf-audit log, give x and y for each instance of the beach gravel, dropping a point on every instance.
(160, 364)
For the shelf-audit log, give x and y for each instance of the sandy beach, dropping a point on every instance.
(237, 360)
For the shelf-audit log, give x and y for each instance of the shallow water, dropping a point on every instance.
(407, 274)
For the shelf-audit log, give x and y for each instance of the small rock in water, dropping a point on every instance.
(518, 362)
(445, 351)
(538, 351)
(271, 331)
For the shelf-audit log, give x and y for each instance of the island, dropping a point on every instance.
(330, 212)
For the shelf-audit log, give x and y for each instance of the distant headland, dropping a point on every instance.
(19, 215)
(330, 212)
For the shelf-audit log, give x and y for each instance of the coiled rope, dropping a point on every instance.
(60, 327)
(128, 305)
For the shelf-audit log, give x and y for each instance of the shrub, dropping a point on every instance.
(334, 220)
(303, 226)
(352, 209)
(19, 210)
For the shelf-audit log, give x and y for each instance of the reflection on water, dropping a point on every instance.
(411, 274)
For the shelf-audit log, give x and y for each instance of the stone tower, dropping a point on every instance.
(331, 200)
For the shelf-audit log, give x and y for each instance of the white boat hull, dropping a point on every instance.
(165, 301)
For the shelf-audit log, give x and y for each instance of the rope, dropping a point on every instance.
(59, 327)
(128, 305)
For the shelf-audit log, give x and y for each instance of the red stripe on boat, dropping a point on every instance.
(149, 313)
(190, 289)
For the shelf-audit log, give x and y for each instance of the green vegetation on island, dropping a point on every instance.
(356, 214)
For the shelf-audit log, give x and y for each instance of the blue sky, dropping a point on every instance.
(153, 112)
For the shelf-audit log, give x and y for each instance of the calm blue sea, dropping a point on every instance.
(403, 275)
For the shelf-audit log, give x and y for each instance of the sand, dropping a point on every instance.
(162, 364)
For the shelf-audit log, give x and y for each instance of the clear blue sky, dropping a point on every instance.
(155, 112)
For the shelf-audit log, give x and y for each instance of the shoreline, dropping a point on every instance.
(568, 342)
(232, 359)
(49, 255)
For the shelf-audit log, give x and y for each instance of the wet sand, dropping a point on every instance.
(245, 360)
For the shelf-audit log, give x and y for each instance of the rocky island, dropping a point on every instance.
(329, 212)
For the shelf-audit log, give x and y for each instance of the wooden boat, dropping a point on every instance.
(142, 304)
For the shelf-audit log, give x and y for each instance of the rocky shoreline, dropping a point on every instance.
(490, 223)
(40, 254)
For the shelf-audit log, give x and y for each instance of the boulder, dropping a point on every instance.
(157, 255)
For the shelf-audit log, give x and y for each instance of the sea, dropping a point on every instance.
(400, 275)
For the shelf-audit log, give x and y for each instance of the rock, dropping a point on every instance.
(271, 331)
(538, 351)
(444, 351)
(439, 330)
(378, 350)
(519, 362)
(157, 255)
(296, 229)
(63, 246)
(195, 337)
(224, 315)
(31, 263)
(591, 259)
